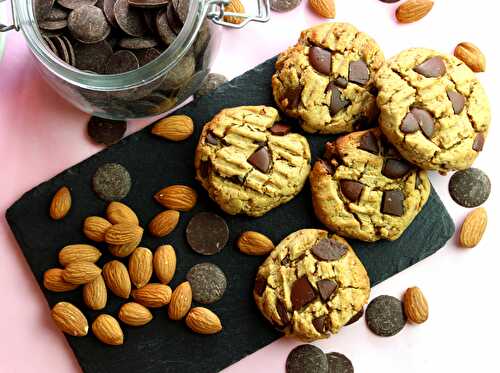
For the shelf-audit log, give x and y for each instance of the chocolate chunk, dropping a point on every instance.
(326, 288)
(106, 131)
(121, 62)
(478, 142)
(285, 261)
(302, 293)
(321, 324)
(470, 187)
(284, 5)
(88, 24)
(261, 159)
(457, 101)
(369, 143)
(260, 285)
(129, 19)
(111, 182)
(282, 312)
(434, 67)
(385, 316)
(306, 359)
(395, 168)
(212, 138)
(293, 95)
(321, 60)
(237, 179)
(207, 233)
(279, 129)
(351, 189)
(328, 249)
(204, 168)
(339, 363)
(393, 202)
(425, 121)
(358, 72)
(341, 82)
(327, 165)
(409, 124)
(208, 282)
(330, 150)
(337, 102)
(356, 317)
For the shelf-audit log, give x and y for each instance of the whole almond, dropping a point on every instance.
(140, 266)
(60, 204)
(174, 127)
(254, 243)
(471, 56)
(153, 295)
(118, 212)
(180, 303)
(164, 263)
(473, 227)
(70, 319)
(126, 249)
(134, 314)
(413, 10)
(415, 305)
(78, 253)
(117, 279)
(177, 197)
(107, 329)
(53, 280)
(203, 321)
(123, 233)
(95, 294)
(95, 227)
(164, 223)
(80, 273)
(323, 8)
(235, 6)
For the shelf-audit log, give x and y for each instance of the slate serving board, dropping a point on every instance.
(164, 345)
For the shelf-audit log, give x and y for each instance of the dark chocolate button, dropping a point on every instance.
(279, 129)
(208, 282)
(457, 101)
(326, 288)
(358, 72)
(478, 142)
(282, 312)
(106, 131)
(321, 323)
(339, 363)
(425, 121)
(306, 359)
(341, 82)
(392, 202)
(356, 317)
(260, 285)
(395, 168)
(293, 96)
(207, 233)
(337, 102)
(321, 60)
(261, 159)
(351, 189)
(470, 188)
(212, 139)
(385, 316)
(302, 293)
(434, 67)
(369, 143)
(409, 124)
(328, 249)
(111, 182)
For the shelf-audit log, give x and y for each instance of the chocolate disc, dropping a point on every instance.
(164, 30)
(181, 7)
(121, 62)
(211, 83)
(106, 131)
(73, 4)
(338, 363)
(306, 359)
(470, 187)
(62, 50)
(207, 233)
(385, 316)
(148, 3)
(92, 57)
(111, 182)
(70, 49)
(108, 9)
(53, 25)
(284, 5)
(42, 8)
(88, 24)
(129, 19)
(138, 43)
(173, 19)
(145, 56)
(208, 283)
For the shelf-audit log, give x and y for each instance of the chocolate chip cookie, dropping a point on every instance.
(311, 285)
(364, 189)
(433, 109)
(249, 162)
(327, 79)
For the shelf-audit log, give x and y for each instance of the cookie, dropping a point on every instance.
(248, 162)
(433, 109)
(364, 189)
(327, 79)
(311, 285)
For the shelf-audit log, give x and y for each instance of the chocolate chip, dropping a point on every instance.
(106, 131)
(395, 168)
(208, 282)
(320, 59)
(73, 4)
(210, 84)
(351, 189)
(284, 5)
(425, 121)
(358, 72)
(111, 182)
(369, 143)
(356, 317)
(478, 142)
(321, 324)
(326, 288)
(88, 24)
(282, 312)
(457, 101)
(393, 202)
(337, 102)
(121, 62)
(148, 3)
(260, 285)
(279, 129)
(328, 249)
(341, 82)
(339, 363)
(306, 359)
(137, 43)
(207, 233)
(385, 316)
(204, 169)
(434, 67)
(409, 124)
(470, 187)
(92, 57)
(302, 293)
(129, 19)
(261, 159)
(212, 139)
(293, 95)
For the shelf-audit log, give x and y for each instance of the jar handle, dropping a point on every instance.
(14, 26)
(216, 13)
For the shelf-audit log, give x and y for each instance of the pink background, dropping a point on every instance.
(41, 135)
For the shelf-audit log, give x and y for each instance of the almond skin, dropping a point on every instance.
(95, 227)
(70, 319)
(60, 204)
(471, 55)
(117, 279)
(107, 329)
(153, 295)
(125, 250)
(177, 197)
(95, 294)
(118, 212)
(413, 10)
(134, 314)
(140, 266)
(164, 223)
(174, 127)
(203, 321)
(180, 303)
(78, 253)
(473, 228)
(323, 8)
(80, 273)
(53, 280)
(235, 6)
(164, 263)
(123, 233)
(415, 305)
(254, 243)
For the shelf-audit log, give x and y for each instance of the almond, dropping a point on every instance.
(70, 319)
(180, 303)
(177, 197)
(117, 279)
(107, 329)
(60, 204)
(79, 273)
(78, 253)
(415, 305)
(118, 212)
(134, 314)
(254, 243)
(235, 6)
(95, 294)
(153, 295)
(123, 233)
(164, 223)
(125, 249)
(323, 8)
(473, 228)
(413, 10)
(140, 266)
(53, 280)
(174, 127)
(164, 263)
(471, 56)
(203, 321)
(95, 227)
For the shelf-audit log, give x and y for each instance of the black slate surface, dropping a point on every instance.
(163, 345)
